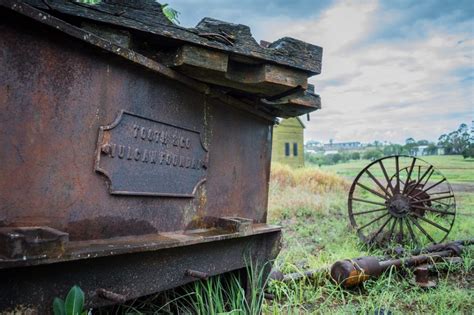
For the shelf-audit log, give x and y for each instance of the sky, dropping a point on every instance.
(391, 69)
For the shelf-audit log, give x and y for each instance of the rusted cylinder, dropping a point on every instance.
(351, 272)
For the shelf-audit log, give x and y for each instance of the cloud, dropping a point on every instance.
(387, 88)
(391, 69)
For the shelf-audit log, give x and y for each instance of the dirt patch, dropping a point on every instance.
(465, 187)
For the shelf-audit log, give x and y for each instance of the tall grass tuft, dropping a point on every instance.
(229, 294)
(238, 293)
(311, 179)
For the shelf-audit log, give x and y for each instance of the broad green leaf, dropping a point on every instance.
(58, 307)
(74, 301)
(170, 13)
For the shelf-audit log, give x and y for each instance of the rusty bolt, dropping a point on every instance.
(422, 277)
(111, 296)
(196, 274)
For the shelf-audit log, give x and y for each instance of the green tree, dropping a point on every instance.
(355, 156)
(457, 141)
(432, 149)
(372, 154)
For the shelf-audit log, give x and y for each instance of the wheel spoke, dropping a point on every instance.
(397, 172)
(368, 211)
(407, 182)
(378, 183)
(421, 229)
(431, 222)
(374, 220)
(410, 230)
(421, 179)
(389, 182)
(442, 203)
(441, 193)
(372, 191)
(431, 187)
(434, 210)
(432, 199)
(368, 201)
(380, 230)
(392, 228)
(429, 176)
(400, 236)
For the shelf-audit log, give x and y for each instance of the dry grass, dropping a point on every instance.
(302, 189)
(310, 179)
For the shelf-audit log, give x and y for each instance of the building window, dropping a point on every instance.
(295, 149)
(287, 149)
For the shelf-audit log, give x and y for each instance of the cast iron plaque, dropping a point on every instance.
(145, 157)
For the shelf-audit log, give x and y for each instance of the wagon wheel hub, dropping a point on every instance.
(399, 206)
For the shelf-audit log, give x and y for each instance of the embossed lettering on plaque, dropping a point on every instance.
(145, 157)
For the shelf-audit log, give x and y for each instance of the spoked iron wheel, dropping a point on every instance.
(401, 199)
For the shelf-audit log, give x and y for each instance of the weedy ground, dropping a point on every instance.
(311, 206)
(313, 213)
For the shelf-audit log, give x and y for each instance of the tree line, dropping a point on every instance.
(459, 141)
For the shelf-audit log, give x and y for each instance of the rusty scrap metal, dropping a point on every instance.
(197, 274)
(124, 168)
(409, 200)
(422, 277)
(122, 136)
(351, 272)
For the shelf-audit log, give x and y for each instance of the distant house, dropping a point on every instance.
(287, 144)
(342, 146)
(420, 150)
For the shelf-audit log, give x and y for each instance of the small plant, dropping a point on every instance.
(73, 305)
(170, 13)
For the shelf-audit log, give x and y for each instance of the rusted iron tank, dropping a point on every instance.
(135, 153)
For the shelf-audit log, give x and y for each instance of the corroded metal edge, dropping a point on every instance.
(78, 250)
(146, 16)
(90, 38)
(134, 275)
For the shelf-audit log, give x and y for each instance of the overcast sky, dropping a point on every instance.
(391, 69)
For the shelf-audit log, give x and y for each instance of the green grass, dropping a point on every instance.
(311, 206)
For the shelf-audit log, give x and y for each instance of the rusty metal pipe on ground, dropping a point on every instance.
(351, 272)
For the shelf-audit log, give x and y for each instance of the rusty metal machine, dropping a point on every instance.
(401, 199)
(135, 154)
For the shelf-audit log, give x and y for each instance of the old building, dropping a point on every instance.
(288, 140)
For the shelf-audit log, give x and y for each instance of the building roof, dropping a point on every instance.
(301, 122)
(272, 77)
(280, 120)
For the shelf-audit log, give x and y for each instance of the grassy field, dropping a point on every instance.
(456, 169)
(311, 205)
